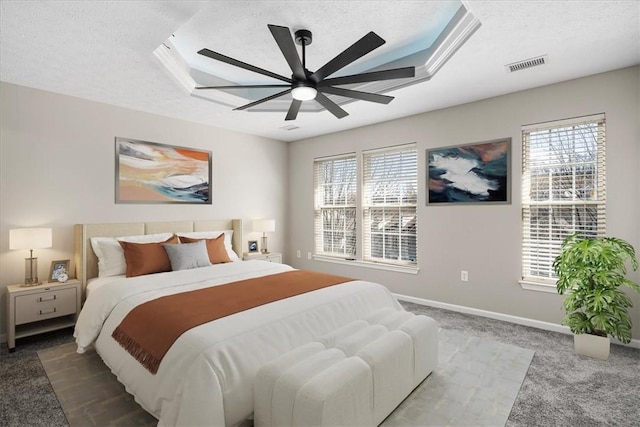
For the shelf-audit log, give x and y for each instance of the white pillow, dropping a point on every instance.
(228, 234)
(111, 256)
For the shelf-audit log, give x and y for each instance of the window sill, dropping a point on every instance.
(358, 263)
(538, 287)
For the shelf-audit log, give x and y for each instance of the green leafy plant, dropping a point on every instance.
(590, 271)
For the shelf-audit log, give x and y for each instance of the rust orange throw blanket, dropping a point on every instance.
(149, 330)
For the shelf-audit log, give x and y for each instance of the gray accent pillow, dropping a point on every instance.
(188, 255)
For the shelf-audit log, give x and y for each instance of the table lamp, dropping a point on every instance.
(30, 238)
(264, 225)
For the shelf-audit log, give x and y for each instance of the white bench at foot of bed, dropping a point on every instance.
(354, 376)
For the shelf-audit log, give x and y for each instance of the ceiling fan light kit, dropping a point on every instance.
(304, 93)
(305, 85)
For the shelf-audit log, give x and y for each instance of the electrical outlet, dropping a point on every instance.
(298, 253)
(464, 276)
(308, 255)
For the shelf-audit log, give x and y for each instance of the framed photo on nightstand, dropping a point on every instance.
(57, 268)
(253, 246)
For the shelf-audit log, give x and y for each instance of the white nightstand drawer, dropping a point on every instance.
(277, 258)
(270, 257)
(45, 305)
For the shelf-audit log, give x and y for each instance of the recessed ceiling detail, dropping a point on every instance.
(305, 85)
(458, 27)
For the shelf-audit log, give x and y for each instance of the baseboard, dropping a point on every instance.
(547, 326)
(3, 338)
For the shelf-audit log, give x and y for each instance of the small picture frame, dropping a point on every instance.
(58, 267)
(253, 246)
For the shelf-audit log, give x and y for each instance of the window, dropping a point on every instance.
(389, 203)
(335, 206)
(375, 222)
(563, 189)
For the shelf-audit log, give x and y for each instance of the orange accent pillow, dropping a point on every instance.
(215, 248)
(147, 258)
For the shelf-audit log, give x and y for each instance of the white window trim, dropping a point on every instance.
(343, 156)
(542, 284)
(531, 285)
(364, 255)
(367, 264)
(409, 268)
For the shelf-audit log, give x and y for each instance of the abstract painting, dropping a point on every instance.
(148, 172)
(470, 174)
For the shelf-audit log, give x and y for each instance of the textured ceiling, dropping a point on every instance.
(104, 51)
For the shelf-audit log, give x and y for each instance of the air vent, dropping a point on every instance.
(527, 63)
(290, 127)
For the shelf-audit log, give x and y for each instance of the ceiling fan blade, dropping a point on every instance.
(282, 35)
(293, 110)
(241, 86)
(357, 50)
(260, 101)
(365, 96)
(220, 57)
(331, 106)
(396, 73)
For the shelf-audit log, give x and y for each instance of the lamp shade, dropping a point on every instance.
(264, 225)
(30, 238)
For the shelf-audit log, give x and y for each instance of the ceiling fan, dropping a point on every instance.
(305, 85)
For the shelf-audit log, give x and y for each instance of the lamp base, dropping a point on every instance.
(31, 272)
(264, 249)
(29, 284)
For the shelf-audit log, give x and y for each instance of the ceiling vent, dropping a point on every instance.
(290, 127)
(527, 63)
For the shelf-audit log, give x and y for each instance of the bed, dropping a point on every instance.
(206, 376)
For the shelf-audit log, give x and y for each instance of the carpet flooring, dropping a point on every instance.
(560, 387)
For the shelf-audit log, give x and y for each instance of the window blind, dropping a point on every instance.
(563, 189)
(335, 181)
(389, 205)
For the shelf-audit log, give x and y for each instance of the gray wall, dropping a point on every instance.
(57, 160)
(57, 169)
(484, 240)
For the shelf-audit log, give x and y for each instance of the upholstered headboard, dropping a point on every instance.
(86, 261)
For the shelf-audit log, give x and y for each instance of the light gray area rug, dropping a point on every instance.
(90, 395)
(476, 383)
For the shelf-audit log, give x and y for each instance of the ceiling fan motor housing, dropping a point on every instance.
(303, 37)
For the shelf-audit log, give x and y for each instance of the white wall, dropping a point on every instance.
(57, 169)
(484, 240)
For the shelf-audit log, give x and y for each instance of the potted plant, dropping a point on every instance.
(590, 271)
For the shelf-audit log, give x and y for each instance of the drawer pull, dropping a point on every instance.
(51, 310)
(51, 298)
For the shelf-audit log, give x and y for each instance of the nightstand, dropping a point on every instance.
(271, 257)
(43, 308)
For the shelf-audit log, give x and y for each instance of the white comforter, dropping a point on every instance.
(206, 378)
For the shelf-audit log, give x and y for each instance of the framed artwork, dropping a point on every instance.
(57, 268)
(148, 172)
(253, 246)
(477, 173)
